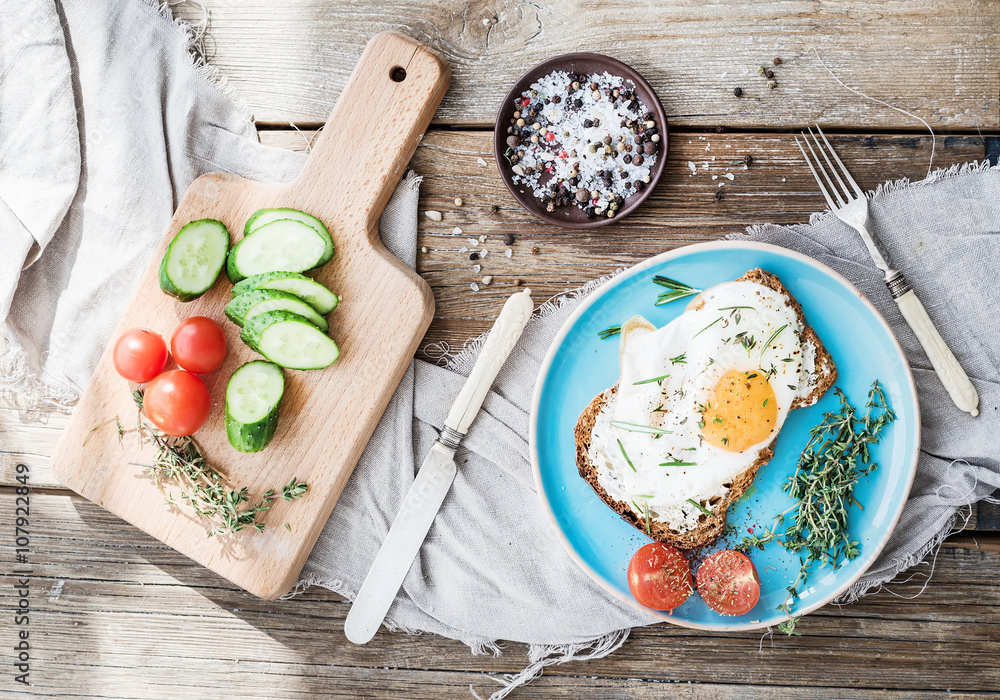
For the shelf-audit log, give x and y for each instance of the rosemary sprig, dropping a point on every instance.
(680, 359)
(676, 290)
(699, 506)
(650, 381)
(609, 332)
(207, 492)
(677, 463)
(637, 428)
(771, 339)
(706, 328)
(837, 455)
(625, 455)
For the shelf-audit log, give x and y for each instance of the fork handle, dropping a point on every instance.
(951, 374)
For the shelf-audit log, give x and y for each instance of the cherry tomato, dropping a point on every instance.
(139, 355)
(177, 402)
(728, 582)
(659, 576)
(199, 345)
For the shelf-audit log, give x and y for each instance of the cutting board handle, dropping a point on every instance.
(375, 127)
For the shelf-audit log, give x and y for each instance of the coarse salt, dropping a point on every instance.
(477, 268)
(473, 242)
(729, 176)
(694, 168)
(433, 215)
(509, 252)
(463, 249)
(484, 253)
(475, 287)
(457, 231)
(480, 161)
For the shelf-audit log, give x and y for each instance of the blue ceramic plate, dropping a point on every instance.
(579, 365)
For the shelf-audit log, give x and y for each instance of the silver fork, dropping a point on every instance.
(852, 209)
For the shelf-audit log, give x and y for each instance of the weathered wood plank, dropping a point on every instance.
(936, 58)
(682, 210)
(116, 613)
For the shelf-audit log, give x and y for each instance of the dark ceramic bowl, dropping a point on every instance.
(571, 216)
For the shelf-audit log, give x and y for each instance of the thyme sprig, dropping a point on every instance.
(837, 455)
(675, 290)
(208, 493)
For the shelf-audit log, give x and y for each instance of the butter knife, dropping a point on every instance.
(434, 479)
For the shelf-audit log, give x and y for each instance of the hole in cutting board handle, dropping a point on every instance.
(398, 74)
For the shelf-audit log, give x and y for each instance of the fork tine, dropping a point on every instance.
(846, 190)
(847, 173)
(819, 182)
(819, 164)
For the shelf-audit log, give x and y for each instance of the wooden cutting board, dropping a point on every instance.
(327, 415)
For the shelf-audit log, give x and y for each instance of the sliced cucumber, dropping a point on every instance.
(194, 259)
(253, 397)
(311, 291)
(285, 244)
(244, 307)
(290, 340)
(266, 216)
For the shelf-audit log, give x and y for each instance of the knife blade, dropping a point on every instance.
(432, 482)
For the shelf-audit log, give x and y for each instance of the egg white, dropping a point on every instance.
(695, 350)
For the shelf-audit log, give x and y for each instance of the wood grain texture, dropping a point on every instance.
(328, 415)
(118, 614)
(936, 58)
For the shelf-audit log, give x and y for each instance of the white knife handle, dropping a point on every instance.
(954, 378)
(496, 349)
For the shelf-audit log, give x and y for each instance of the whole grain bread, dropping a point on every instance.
(711, 526)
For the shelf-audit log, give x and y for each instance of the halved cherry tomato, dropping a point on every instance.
(199, 345)
(659, 576)
(139, 355)
(177, 402)
(728, 583)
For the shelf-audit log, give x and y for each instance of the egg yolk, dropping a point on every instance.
(742, 412)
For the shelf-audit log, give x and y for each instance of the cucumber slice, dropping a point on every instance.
(289, 340)
(253, 397)
(266, 216)
(244, 307)
(311, 291)
(194, 259)
(285, 244)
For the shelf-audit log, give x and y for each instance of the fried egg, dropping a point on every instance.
(699, 400)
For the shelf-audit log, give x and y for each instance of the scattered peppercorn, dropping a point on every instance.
(495, 208)
(769, 73)
(718, 195)
(508, 239)
(534, 250)
(772, 84)
(719, 129)
(473, 255)
(776, 61)
(747, 159)
(738, 92)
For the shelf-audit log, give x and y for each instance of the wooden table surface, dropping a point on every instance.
(111, 619)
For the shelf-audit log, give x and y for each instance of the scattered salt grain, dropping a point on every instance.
(481, 161)
(715, 177)
(782, 179)
(472, 241)
(484, 253)
(458, 201)
(477, 268)
(487, 279)
(729, 176)
(482, 238)
(457, 231)
(694, 168)
(728, 145)
(704, 166)
(433, 215)
(475, 287)
(509, 252)
(463, 249)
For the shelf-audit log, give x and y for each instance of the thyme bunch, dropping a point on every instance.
(208, 493)
(837, 455)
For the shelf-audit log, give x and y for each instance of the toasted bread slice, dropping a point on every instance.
(711, 526)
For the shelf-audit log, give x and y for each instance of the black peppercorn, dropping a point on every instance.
(748, 159)
(738, 92)
(718, 195)
(769, 73)
(473, 256)
(508, 238)
(628, 159)
(587, 123)
(578, 103)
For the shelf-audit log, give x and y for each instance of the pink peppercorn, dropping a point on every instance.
(549, 136)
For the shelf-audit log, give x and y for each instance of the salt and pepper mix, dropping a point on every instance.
(583, 140)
